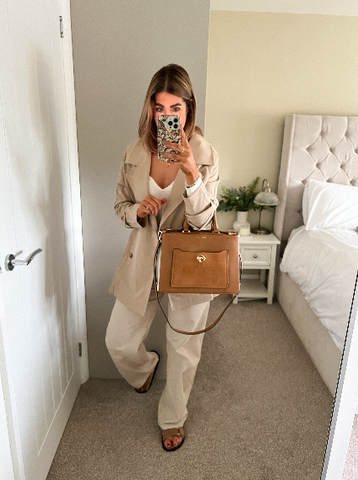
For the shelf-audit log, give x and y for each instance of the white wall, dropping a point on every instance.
(118, 46)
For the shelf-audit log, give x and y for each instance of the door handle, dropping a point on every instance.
(11, 262)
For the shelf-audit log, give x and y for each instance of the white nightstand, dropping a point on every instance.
(258, 253)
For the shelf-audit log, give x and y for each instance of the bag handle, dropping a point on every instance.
(214, 224)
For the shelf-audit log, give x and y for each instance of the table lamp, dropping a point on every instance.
(265, 198)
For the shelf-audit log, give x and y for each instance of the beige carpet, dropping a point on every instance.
(258, 411)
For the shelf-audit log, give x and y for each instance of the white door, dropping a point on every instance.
(42, 312)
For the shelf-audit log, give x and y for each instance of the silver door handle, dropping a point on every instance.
(11, 262)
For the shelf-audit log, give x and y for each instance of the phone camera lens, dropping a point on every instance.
(170, 123)
(176, 120)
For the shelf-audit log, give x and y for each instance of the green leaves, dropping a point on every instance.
(239, 199)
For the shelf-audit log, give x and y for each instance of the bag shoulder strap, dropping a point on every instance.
(197, 332)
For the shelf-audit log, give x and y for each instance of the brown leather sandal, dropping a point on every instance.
(173, 432)
(148, 383)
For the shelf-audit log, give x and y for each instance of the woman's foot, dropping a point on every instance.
(172, 439)
(148, 383)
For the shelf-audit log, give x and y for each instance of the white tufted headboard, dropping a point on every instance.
(320, 147)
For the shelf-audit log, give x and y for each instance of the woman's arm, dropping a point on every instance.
(201, 205)
(125, 206)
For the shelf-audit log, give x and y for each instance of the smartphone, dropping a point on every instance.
(168, 130)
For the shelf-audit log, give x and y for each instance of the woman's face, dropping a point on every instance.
(168, 104)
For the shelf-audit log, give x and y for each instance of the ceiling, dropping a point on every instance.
(322, 7)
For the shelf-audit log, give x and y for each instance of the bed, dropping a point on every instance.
(319, 168)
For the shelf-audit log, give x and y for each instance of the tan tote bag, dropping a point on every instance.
(199, 261)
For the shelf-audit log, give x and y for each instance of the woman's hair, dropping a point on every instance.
(171, 79)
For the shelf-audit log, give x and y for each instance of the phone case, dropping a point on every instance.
(168, 130)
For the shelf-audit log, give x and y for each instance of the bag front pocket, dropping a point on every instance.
(199, 269)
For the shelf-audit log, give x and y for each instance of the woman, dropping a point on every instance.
(153, 194)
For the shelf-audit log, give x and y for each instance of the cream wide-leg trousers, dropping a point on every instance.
(126, 332)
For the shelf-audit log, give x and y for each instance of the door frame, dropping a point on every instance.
(67, 56)
(9, 446)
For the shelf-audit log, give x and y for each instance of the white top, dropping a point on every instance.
(158, 192)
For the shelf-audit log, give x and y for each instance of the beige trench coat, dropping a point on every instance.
(133, 280)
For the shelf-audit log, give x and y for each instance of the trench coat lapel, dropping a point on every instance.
(138, 175)
(138, 178)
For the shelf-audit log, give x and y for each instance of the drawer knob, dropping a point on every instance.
(255, 255)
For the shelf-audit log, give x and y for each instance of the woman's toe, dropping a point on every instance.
(176, 441)
(168, 442)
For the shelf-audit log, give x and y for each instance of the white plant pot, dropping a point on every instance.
(241, 224)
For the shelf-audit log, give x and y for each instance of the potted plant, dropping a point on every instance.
(240, 200)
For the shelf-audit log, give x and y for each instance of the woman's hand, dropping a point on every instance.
(185, 159)
(150, 206)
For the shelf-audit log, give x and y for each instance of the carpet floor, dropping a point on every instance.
(258, 411)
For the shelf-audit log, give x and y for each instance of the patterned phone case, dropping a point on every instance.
(168, 130)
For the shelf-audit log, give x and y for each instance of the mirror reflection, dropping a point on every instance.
(260, 68)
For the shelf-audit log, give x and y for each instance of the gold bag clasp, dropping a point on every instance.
(201, 258)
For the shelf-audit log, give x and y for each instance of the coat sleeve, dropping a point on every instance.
(125, 205)
(200, 206)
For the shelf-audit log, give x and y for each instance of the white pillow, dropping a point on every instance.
(330, 205)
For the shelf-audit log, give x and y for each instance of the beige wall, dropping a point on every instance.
(118, 46)
(263, 66)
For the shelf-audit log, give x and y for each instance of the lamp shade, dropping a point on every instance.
(266, 197)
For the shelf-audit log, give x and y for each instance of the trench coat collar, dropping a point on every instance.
(138, 174)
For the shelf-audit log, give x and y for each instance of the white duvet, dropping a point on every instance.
(324, 265)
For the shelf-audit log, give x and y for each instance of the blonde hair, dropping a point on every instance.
(172, 79)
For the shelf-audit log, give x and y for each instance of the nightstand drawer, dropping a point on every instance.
(256, 256)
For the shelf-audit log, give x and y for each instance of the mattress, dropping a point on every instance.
(324, 264)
